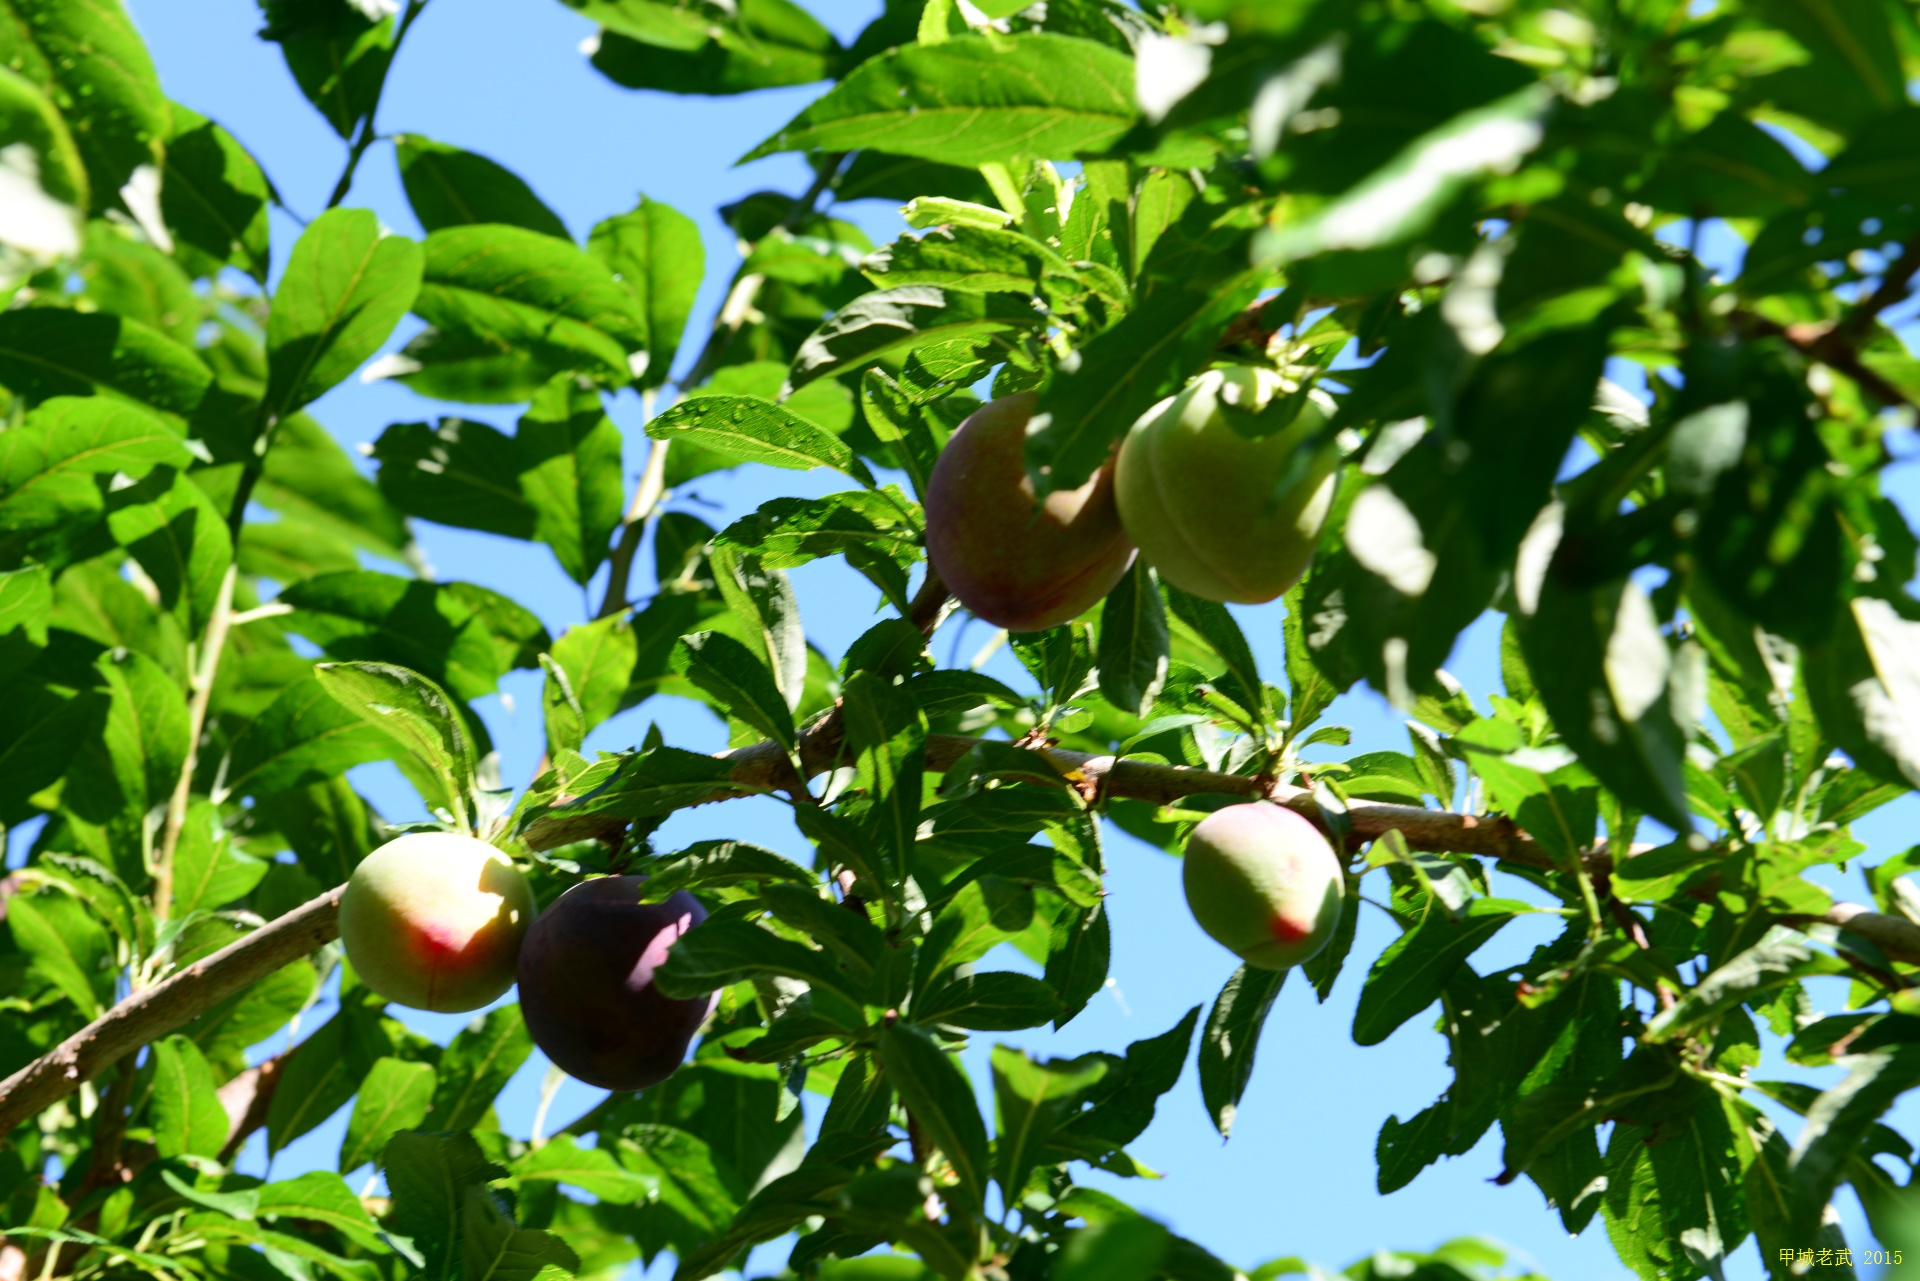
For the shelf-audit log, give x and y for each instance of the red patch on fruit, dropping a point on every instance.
(1286, 931)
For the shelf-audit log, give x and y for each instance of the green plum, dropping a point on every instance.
(1263, 883)
(434, 920)
(1018, 562)
(1216, 513)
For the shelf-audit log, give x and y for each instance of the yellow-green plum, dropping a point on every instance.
(1016, 561)
(1264, 883)
(434, 920)
(1217, 514)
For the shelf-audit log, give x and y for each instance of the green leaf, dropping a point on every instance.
(137, 281)
(310, 478)
(857, 943)
(1216, 627)
(888, 735)
(449, 187)
(187, 1116)
(214, 196)
(753, 44)
(1838, 1122)
(687, 1182)
(304, 736)
(1193, 285)
(1865, 687)
(966, 259)
(42, 732)
(1000, 1001)
(416, 713)
(656, 781)
(1781, 957)
(1410, 975)
(26, 598)
(1602, 668)
(763, 603)
(1853, 71)
(514, 288)
(429, 1176)
(476, 1066)
(757, 431)
(892, 322)
(144, 742)
(181, 540)
(28, 117)
(656, 252)
(455, 472)
(1032, 1099)
(95, 67)
(569, 467)
(986, 911)
(973, 101)
(48, 463)
(592, 1170)
(1079, 951)
(1127, 1247)
(1407, 193)
(935, 1093)
(1133, 641)
(395, 1096)
(431, 628)
(717, 863)
(208, 873)
(320, 1196)
(322, 1073)
(598, 659)
(788, 532)
(51, 351)
(723, 952)
(1231, 1036)
(738, 682)
(347, 283)
(234, 1026)
(338, 52)
(65, 946)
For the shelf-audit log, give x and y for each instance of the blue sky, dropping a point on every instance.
(507, 78)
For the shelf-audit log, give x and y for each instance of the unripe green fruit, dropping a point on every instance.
(434, 920)
(1016, 562)
(1264, 884)
(1217, 514)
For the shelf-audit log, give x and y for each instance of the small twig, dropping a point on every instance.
(1891, 291)
(367, 136)
(111, 1127)
(646, 500)
(732, 317)
(200, 686)
(246, 1099)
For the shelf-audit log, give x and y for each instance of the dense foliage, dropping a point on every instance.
(1442, 215)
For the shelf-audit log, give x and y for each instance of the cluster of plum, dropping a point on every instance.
(1219, 514)
(445, 922)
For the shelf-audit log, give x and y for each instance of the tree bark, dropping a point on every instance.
(148, 1015)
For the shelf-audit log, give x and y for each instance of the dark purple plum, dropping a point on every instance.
(587, 990)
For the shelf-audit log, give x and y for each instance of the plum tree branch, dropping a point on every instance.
(765, 766)
(167, 1005)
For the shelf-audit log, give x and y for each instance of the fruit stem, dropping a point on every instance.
(200, 687)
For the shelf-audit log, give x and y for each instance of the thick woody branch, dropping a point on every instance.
(167, 1005)
(763, 767)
